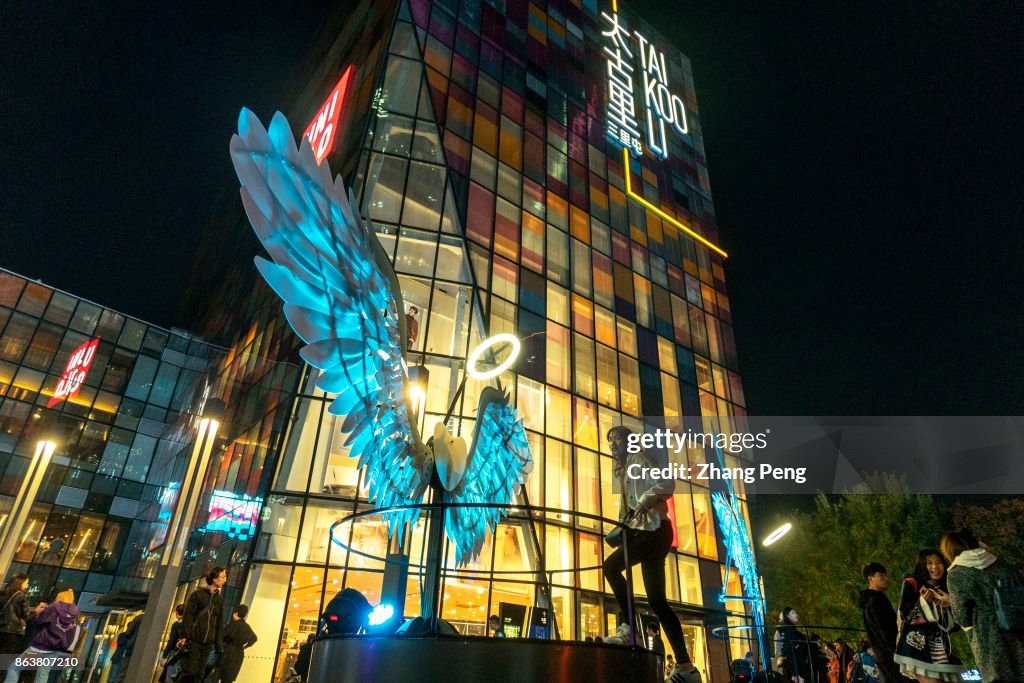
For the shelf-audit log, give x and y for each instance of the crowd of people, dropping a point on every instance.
(961, 586)
(201, 648)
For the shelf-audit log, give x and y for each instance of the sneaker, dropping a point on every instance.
(621, 636)
(678, 675)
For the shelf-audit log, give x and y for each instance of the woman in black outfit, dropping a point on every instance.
(14, 612)
(793, 647)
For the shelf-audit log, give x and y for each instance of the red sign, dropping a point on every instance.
(324, 126)
(75, 372)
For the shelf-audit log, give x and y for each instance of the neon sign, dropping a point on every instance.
(74, 372)
(660, 104)
(323, 129)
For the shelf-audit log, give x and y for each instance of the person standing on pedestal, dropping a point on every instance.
(648, 536)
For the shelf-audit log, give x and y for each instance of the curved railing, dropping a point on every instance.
(484, 574)
(805, 644)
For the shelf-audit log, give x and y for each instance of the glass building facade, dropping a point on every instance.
(93, 522)
(475, 137)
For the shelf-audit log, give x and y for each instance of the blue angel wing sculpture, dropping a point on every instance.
(498, 463)
(343, 300)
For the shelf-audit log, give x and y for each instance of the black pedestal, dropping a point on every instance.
(394, 659)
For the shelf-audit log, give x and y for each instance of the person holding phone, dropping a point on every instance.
(923, 650)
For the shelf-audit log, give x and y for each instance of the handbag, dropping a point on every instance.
(1009, 606)
(614, 537)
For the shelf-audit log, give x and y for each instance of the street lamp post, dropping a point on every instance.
(10, 534)
(146, 653)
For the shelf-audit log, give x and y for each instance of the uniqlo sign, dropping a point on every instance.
(74, 372)
(323, 129)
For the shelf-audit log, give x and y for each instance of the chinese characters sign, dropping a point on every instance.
(74, 372)
(625, 51)
(323, 128)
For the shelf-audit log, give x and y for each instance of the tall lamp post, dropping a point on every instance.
(10, 534)
(148, 645)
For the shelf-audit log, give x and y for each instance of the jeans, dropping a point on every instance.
(649, 549)
(42, 673)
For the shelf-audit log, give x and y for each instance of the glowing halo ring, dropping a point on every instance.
(474, 357)
(777, 534)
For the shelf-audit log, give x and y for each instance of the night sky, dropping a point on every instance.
(865, 163)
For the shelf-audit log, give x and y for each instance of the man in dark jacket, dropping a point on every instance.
(204, 614)
(880, 622)
(238, 636)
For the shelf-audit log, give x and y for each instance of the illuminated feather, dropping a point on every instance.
(498, 463)
(341, 299)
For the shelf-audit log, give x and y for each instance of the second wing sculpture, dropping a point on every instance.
(342, 298)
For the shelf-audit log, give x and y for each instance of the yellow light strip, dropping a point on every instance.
(652, 207)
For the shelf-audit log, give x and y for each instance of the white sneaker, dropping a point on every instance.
(677, 675)
(621, 636)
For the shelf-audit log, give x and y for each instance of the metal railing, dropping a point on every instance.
(514, 512)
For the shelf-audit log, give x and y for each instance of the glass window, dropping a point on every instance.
(581, 280)
(559, 367)
(530, 403)
(386, 184)
(16, 336)
(427, 146)
(448, 331)
(34, 299)
(705, 524)
(115, 453)
(83, 543)
(142, 378)
(585, 427)
(132, 335)
(416, 253)
(86, 317)
(605, 326)
(558, 256)
(393, 135)
(451, 260)
(139, 457)
(423, 196)
(627, 336)
(558, 304)
(279, 531)
(607, 377)
(559, 414)
(689, 580)
(163, 385)
(558, 478)
(10, 289)
(629, 384)
(60, 309)
(586, 376)
(401, 85)
(582, 315)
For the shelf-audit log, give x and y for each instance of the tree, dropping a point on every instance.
(997, 525)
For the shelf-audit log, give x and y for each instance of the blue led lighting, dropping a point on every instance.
(380, 614)
(343, 299)
(738, 546)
